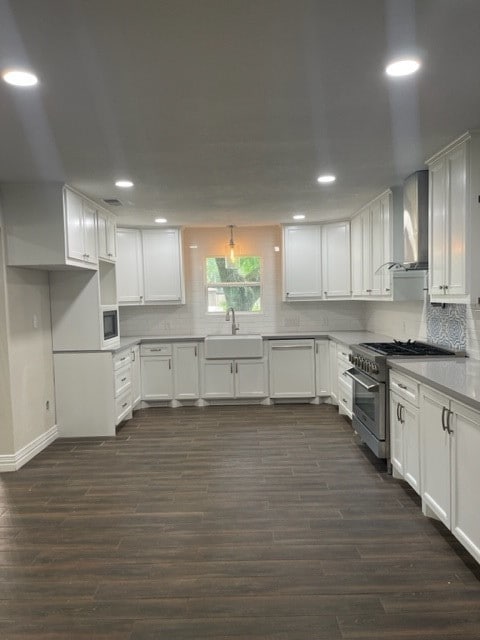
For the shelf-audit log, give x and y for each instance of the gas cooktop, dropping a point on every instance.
(407, 348)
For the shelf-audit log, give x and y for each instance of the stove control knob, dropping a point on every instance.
(350, 358)
(368, 366)
(375, 368)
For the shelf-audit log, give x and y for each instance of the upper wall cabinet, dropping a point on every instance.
(106, 235)
(454, 222)
(377, 238)
(149, 267)
(49, 226)
(306, 256)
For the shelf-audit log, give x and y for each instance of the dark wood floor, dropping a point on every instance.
(233, 522)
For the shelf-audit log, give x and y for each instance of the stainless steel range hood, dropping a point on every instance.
(415, 221)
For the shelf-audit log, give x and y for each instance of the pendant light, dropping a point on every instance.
(231, 251)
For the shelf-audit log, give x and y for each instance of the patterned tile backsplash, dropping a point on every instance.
(447, 325)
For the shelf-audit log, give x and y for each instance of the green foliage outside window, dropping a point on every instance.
(237, 287)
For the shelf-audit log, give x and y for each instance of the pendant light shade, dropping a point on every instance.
(231, 251)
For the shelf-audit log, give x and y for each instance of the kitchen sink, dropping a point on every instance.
(234, 346)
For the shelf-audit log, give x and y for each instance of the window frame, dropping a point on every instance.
(259, 284)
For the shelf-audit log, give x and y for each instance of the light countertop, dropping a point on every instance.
(457, 377)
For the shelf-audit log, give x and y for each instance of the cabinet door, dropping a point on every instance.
(437, 227)
(302, 262)
(333, 361)
(466, 477)
(106, 236)
(251, 378)
(292, 369)
(162, 265)
(336, 260)
(136, 376)
(322, 368)
(157, 379)
(411, 445)
(376, 249)
(456, 168)
(386, 206)
(218, 379)
(74, 222)
(356, 232)
(185, 370)
(129, 267)
(90, 233)
(396, 434)
(435, 454)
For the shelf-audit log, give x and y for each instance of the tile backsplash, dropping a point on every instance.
(447, 325)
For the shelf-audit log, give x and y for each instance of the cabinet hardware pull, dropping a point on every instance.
(122, 359)
(398, 411)
(443, 418)
(449, 413)
(292, 346)
(402, 414)
(124, 405)
(231, 367)
(402, 386)
(195, 352)
(236, 367)
(316, 347)
(441, 286)
(123, 380)
(446, 286)
(169, 363)
(133, 356)
(344, 401)
(387, 289)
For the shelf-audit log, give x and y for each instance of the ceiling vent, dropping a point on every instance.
(113, 202)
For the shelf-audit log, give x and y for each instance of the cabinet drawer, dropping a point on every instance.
(345, 391)
(156, 349)
(405, 387)
(121, 359)
(123, 379)
(123, 406)
(345, 380)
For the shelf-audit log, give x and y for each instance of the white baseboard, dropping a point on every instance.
(15, 461)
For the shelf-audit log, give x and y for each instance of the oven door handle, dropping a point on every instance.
(368, 387)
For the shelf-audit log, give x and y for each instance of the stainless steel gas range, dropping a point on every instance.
(369, 375)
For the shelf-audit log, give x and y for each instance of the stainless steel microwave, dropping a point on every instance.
(110, 323)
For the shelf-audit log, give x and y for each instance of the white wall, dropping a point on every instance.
(30, 353)
(277, 316)
(401, 320)
(7, 444)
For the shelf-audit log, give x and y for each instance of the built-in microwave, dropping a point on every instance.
(110, 323)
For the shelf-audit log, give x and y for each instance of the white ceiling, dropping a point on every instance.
(226, 111)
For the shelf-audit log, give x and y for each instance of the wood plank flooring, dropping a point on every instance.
(226, 522)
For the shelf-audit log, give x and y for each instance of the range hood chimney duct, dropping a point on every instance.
(415, 221)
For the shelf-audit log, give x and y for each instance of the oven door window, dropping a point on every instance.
(369, 403)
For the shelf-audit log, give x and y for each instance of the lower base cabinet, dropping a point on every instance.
(450, 447)
(246, 378)
(405, 440)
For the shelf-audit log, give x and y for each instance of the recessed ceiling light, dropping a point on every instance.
(124, 184)
(193, 246)
(20, 78)
(160, 220)
(402, 68)
(326, 179)
(299, 216)
(276, 249)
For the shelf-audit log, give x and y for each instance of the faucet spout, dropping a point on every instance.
(235, 327)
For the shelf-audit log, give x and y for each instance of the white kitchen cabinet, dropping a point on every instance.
(333, 362)
(376, 239)
(49, 226)
(292, 368)
(136, 376)
(156, 371)
(405, 429)
(302, 262)
(336, 260)
(149, 266)
(242, 378)
(186, 371)
(454, 222)
(344, 386)
(106, 235)
(449, 464)
(322, 368)
(435, 453)
(129, 266)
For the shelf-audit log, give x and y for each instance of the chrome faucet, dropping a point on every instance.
(235, 327)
